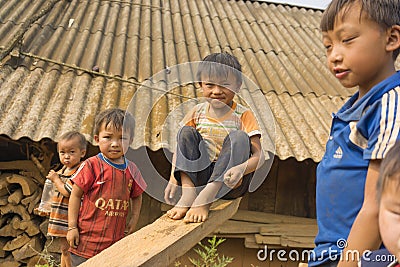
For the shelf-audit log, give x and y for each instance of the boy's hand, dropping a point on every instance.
(170, 191)
(130, 227)
(73, 237)
(233, 177)
(52, 175)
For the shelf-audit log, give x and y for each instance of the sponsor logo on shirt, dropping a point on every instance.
(113, 207)
(338, 153)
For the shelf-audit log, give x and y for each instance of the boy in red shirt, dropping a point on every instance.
(105, 186)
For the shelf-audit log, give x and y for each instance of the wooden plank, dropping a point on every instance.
(298, 241)
(250, 242)
(263, 217)
(286, 241)
(161, 242)
(238, 227)
(226, 236)
(268, 240)
(289, 229)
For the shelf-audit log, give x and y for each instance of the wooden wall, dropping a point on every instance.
(289, 189)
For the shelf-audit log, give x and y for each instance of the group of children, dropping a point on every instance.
(219, 149)
(93, 198)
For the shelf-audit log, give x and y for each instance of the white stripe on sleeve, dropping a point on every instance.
(389, 124)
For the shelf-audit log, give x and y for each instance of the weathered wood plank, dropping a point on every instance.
(289, 229)
(298, 241)
(161, 242)
(268, 240)
(285, 241)
(250, 242)
(262, 217)
(238, 227)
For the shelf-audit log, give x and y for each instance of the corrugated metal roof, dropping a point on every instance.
(49, 88)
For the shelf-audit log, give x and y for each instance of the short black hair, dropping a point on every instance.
(226, 64)
(117, 118)
(385, 13)
(72, 134)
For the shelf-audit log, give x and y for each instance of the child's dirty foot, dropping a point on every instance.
(183, 205)
(177, 213)
(197, 214)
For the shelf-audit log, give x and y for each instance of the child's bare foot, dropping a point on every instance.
(197, 214)
(177, 213)
(180, 209)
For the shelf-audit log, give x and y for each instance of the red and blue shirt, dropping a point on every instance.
(107, 190)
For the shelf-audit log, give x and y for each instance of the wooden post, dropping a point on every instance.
(161, 242)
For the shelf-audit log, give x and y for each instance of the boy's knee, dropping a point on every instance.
(238, 136)
(186, 133)
(64, 250)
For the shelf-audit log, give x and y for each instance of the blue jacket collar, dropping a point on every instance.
(352, 110)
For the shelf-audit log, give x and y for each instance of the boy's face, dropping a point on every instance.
(113, 143)
(356, 50)
(220, 91)
(389, 217)
(70, 152)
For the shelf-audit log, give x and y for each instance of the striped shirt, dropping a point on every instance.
(107, 189)
(214, 130)
(58, 221)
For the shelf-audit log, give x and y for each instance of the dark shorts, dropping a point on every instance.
(192, 158)
(77, 260)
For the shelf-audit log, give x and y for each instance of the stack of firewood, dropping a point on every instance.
(23, 239)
